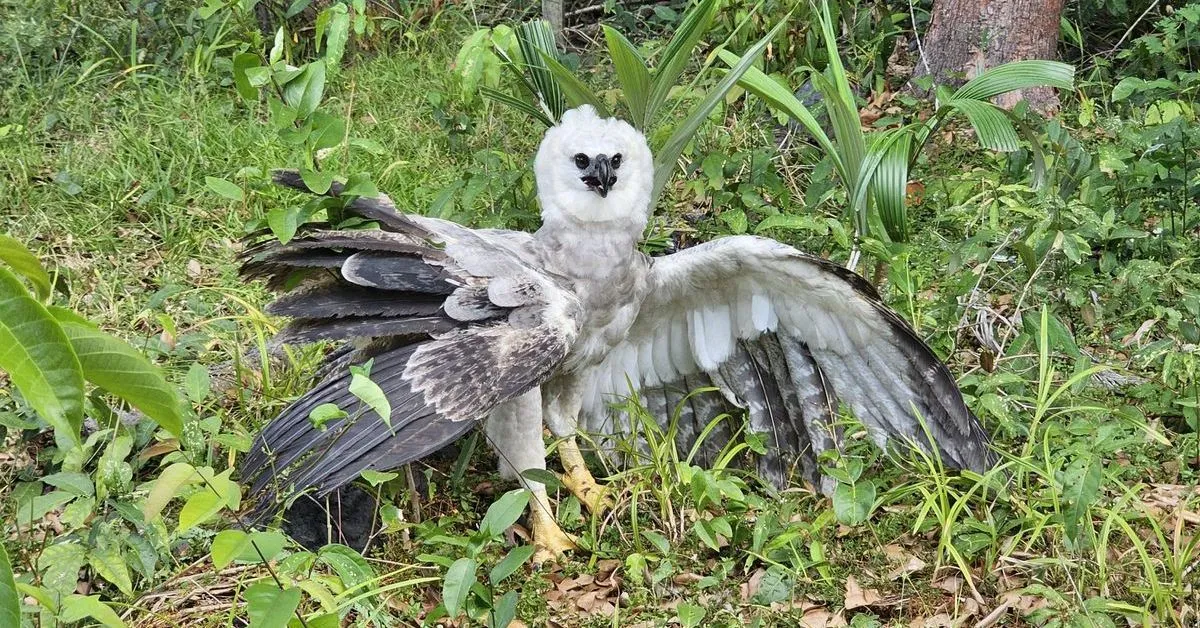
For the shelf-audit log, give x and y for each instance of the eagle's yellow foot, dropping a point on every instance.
(578, 479)
(550, 542)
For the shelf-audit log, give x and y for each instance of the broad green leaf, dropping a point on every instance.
(305, 91)
(360, 184)
(59, 565)
(369, 392)
(121, 370)
(277, 45)
(282, 116)
(1082, 486)
(536, 41)
(26, 264)
(39, 360)
(268, 606)
(242, 63)
(690, 615)
(33, 508)
(296, 7)
(325, 413)
(79, 607)
(664, 162)
(516, 557)
(328, 620)
(375, 478)
(337, 35)
(576, 92)
(1126, 87)
(226, 189)
(852, 502)
(227, 545)
(632, 74)
(678, 52)
(283, 222)
(328, 131)
(197, 383)
(10, 600)
(74, 483)
(317, 181)
(1017, 75)
(548, 478)
(478, 65)
(167, 486)
(216, 494)
(231, 545)
(506, 609)
(349, 565)
(504, 512)
(460, 577)
(992, 126)
(109, 561)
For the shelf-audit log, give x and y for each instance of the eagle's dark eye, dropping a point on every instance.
(616, 161)
(581, 161)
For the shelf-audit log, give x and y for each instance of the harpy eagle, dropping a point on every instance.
(526, 330)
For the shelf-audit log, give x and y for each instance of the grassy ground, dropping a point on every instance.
(1093, 519)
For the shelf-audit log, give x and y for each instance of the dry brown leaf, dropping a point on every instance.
(684, 579)
(912, 565)
(822, 618)
(750, 587)
(941, 620)
(949, 584)
(858, 597)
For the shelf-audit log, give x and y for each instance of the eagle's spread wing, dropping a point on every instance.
(458, 321)
(785, 335)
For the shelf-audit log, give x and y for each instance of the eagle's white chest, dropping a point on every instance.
(609, 275)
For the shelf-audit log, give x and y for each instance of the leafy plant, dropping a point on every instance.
(874, 165)
(52, 352)
(462, 591)
(294, 95)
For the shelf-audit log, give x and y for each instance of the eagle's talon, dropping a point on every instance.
(593, 495)
(578, 479)
(550, 542)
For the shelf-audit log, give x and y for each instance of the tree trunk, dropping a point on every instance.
(552, 11)
(968, 36)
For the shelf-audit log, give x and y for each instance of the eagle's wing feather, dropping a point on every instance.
(456, 321)
(785, 335)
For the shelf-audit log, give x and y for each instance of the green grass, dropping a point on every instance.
(105, 179)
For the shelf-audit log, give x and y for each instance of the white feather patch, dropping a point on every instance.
(765, 318)
(717, 334)
(698, 338)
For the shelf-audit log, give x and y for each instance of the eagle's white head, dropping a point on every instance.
(594, 170)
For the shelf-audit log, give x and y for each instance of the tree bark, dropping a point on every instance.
(968, 36)
(552, 12)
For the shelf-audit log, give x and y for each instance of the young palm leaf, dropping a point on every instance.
(675, 57)
(875, 166)
(633, 75)
(536, 41)
(664, 160)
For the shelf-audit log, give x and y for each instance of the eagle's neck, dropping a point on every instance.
(601, 263)
(581, 249)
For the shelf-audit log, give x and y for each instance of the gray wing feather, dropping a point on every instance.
(448, 346)
(788, 336)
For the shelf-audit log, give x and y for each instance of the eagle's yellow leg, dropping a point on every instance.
(549, 540)
(578, 479)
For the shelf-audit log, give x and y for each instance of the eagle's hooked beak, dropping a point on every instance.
(599, 176)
